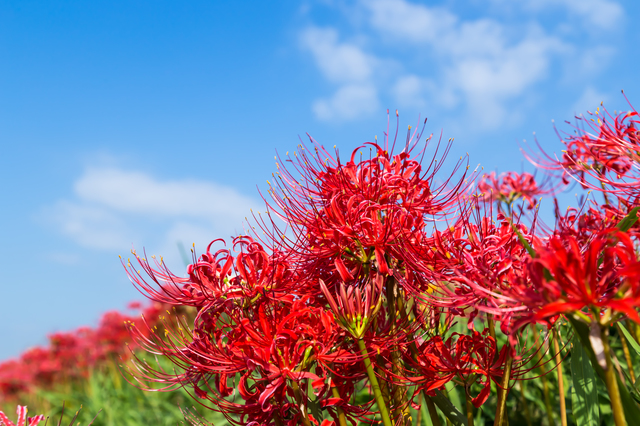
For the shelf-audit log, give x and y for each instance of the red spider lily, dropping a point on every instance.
(354, 310)
(217, 277)
(271, 344)
(23, 420)
(348, 219)
(509, 187)
(610, 155)
(473, 264)
(590, 220)
(461, 357)
(566, 276)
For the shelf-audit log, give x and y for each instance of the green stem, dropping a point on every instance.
(469, 406)
(420, 410)
(563, 406)
(612, 382)
(503, 389)
(298, 395)
(384, 386)
(543, 376)
(627, 354)
(384, 412)
(527, 413)
(342, 421)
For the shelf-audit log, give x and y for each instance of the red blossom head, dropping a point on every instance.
(509, 187)
(602, 155)
(463, 357)
(349, 219)
(23, 420)
(568, 275)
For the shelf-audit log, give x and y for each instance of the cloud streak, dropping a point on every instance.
(113, 209)
(480, 65)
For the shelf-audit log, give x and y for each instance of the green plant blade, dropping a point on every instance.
(584, 392)
(627, 222)
(631, 409)
(449, 410)
(630, 340)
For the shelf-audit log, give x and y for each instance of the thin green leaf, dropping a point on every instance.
(629, 220)
(632, 342)
(449, 410)
(584, 392)
(524, 242)
(530, 250)
(631, 409)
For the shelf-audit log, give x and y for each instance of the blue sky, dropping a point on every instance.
(142, 124)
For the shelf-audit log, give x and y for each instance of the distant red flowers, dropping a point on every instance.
(509, 187)
(71, 355)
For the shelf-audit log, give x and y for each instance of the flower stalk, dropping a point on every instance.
(382, 408)
(627, 354)
(612, 381)
(563, 405)
(503, 390)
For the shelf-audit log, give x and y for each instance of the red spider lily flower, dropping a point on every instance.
(566, 276)
(272, 345)
(23, 420)
(461, 357)
(216, 277)
(473, 265)
(609, 154)
(350, 219)
(509, 187)
(353, 310)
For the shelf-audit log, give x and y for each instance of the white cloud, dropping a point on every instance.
(588, 101)
(348, 103)
(601, 14)
(339, 62)
(348, 65)
(476, 61)
(136, 192)
(480, 66)
(115, 209)
(409, 21)
(409, 91)
(90, 226)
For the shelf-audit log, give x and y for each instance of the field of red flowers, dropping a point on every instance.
(387, 287)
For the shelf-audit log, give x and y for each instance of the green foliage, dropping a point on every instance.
(118, 402)
(584, 392)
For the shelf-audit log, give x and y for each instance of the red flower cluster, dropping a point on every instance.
(509, 187)
(23, 420)
(283, 335)
(71, 355)
(462, 357)
(376, 258)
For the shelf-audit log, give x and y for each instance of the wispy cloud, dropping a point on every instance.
(596, 14)
(348, 103)
(113, 209)
(136, 192)
(346, 64)
(589, 100)
(339, 62)
(479, 65)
